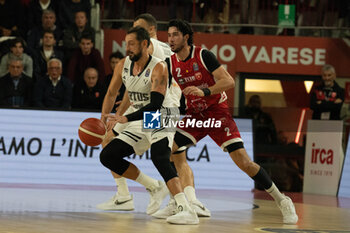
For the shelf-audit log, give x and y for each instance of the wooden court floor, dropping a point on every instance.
(65, 209)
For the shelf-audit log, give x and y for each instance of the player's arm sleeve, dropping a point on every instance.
(155, 104)
(210, 61)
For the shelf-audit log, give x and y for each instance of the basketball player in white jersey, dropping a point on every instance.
(123, 200)
(146, 80)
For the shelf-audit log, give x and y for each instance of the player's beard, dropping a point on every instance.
(181, 46)
(178, 49)
(135, 57)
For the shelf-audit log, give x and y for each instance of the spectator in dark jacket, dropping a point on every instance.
(35, 35)
(68, 8)
(264, 130)
(45, 53)
(83, 58)
(54, 90)
(16, 87)
(114, 58)
(36, 9)
(328, 97)
(91, 94)
(73, 34)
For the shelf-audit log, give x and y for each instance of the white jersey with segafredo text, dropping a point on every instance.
(162, 50)
(139, 86)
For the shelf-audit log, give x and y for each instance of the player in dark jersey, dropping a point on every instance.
(203, 82)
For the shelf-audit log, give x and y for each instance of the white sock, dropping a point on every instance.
(147, 181)
(180, 199)
(190, 193)
(123, 189)
(275, 193)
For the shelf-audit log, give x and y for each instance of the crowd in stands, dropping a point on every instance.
(237, 16)
(48, 60)
(47, 55)
(48, 45)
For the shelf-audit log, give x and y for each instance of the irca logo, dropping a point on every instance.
(321, 155)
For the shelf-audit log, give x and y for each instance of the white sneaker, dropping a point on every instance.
(169, 210)
(185, 216)
(157, 196)
(200, 209)
(118, 202)
(288, 211)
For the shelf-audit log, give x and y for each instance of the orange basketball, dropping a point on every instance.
(92, 131)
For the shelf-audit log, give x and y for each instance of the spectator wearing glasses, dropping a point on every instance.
(54, 90)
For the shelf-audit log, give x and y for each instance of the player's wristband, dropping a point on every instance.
(206, 91)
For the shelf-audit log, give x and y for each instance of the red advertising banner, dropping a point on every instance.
(261, 54)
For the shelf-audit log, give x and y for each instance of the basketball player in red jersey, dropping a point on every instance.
(204, 81)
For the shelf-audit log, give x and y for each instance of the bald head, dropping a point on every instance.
(90, 77)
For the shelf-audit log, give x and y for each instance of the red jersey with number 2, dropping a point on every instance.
(193, 72)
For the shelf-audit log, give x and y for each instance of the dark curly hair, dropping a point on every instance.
(184, 27)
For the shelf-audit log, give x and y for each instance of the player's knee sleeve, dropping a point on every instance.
(160, 155)
(112, 156)
(181, 140)
(234, 146)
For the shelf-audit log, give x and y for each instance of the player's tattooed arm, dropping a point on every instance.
(159, 78)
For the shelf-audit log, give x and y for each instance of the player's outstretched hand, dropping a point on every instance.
(192, 90)
(105, 119)
(110, 125)
(117, 119)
